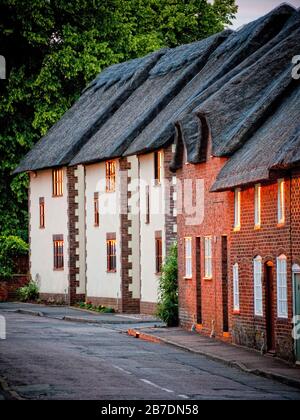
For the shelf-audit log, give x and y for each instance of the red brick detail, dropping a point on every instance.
(148, 308)
(128, 303)
(170, 219)
(73, 231)
(8, 288)
(107, 302)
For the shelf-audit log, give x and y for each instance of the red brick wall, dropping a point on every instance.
(216, 223)
(8, 288)
(269, 242)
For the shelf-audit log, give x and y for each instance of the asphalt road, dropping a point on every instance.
(45, 358)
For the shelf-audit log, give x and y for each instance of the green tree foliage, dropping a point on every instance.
(11, 247)
(55, 47)
(167, 309)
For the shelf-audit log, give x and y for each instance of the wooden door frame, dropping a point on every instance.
(269, 310)
(295, 272)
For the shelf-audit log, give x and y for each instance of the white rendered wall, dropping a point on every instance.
(80, 225)
(56, 223)
(99, 282)
(149, 278)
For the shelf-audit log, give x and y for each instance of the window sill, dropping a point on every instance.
(57, 196)
(158, 274)
(96, 226)
(58, 269)
(237, 229)
(257, 227)
(42, 227)
(110, 191)
(187, 278)
(236, 312)
(111, 271)
(207, 278)
(281, 225)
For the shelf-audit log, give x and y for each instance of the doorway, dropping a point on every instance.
(270, 312)
(296, 282)
(225, 284)
(198, 281)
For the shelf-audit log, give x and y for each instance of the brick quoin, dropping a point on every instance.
(199, 293)
(128, 303)
(72, 180)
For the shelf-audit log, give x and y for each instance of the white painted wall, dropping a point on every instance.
(80, 225)
(99, 282)
(149, 279)
(56, 223)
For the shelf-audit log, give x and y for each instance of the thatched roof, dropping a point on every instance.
(165, 81)
(275, 145)
(98, 102)
(225, 87)
(233, 55)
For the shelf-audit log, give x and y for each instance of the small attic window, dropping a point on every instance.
(110, 176)
(57, 182)
(158, 167)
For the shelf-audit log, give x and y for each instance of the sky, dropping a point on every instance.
(252, 9)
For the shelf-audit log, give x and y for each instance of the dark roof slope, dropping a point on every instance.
(98, 102)
(276, 145)
(239, 51)
(172, 72)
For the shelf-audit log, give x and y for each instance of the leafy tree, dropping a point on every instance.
(167, 309)
(54, 48)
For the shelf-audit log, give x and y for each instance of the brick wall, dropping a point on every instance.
(269, 242)
(8, 288)
(128, 303)
(208, 308)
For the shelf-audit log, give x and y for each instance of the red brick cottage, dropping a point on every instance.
(238, 263)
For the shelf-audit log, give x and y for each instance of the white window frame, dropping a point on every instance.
(258, 288)
(281, 201)
(208, 266)
(188, 253)
(237, 208)
(282, 289)
(257, 212)
(236, 288)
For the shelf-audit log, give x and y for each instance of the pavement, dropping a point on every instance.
(47, 358)
(247, 360)
(72, 314)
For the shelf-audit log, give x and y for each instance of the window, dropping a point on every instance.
(158, 252)
(110, 176)
(158, 157)
(258, 293)
(208, 257)
(42, 213)
(188, 258)
(96, 209)
(57, 182)
(281, 201)
(257, 215)
(236, 288)
(111, 244)
(58, 252)
(147, 205)
(282, 300)
(237, 209)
